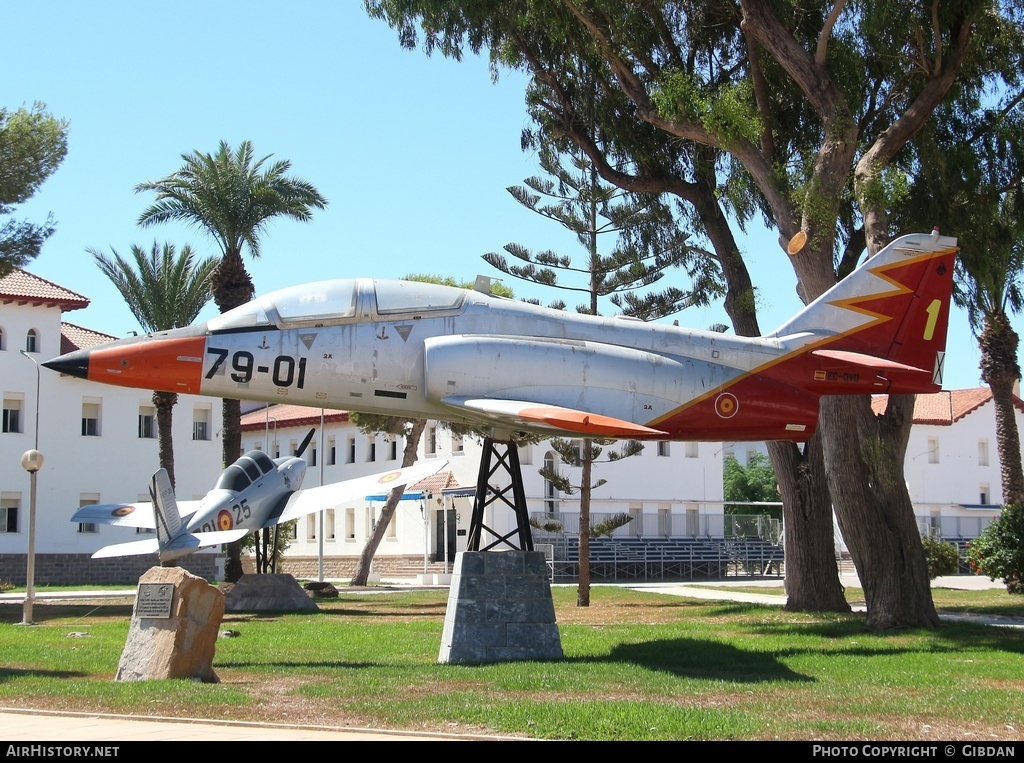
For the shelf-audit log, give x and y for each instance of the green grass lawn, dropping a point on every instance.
(637, 666)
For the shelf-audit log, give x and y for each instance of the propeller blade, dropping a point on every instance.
(302, 447)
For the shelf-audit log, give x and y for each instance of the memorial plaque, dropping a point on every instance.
(154, 600)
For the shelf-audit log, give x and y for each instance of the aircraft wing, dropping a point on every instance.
(303, 502)
(519, 414)
(127, 514)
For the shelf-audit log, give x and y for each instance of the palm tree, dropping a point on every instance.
(231, 195)
(164, 290)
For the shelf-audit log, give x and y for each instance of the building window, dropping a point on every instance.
(983, 494)
(350, 524)
(392, 450)
(311, 521)
(9, 504)
(371, 452)
(201, 424)
(392, 531)
(329, 524)
(2, 345)
(458, 446)
(691, 450)
(350, 450)
(147, 423)
(90, 419)
(312, 456)
(90, 499)
(663, 448)
(982, 452)
(12, 415)
(332, 453)
(431, 441)
(933, 450)
(31, 341)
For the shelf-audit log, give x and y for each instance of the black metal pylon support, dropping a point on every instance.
(505, 456)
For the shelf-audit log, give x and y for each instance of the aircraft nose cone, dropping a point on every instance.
(73, 364)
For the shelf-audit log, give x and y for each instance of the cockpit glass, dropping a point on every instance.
(416, 297)
(233, 478)
(262, 460)
(316, 301)
(250, 468)
(243, 316)
(307, 303)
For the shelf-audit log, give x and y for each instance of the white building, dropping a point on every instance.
(952, 463)
(99, 443)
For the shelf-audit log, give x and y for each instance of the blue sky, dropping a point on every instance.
(413, 153)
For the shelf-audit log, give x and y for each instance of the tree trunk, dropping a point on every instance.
(164, 403)
(231, 287)
(583, 590)
(1000, 370)
(864, 457)
(812, 576)
(412, 443)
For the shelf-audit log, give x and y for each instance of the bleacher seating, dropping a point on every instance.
(667, 559)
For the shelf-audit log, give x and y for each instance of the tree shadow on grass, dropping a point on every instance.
(13, 674)
(711, 660)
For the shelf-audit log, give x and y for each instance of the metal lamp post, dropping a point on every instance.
(31, 462)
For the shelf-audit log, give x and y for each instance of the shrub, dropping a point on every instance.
(999, 551)
(943, 558)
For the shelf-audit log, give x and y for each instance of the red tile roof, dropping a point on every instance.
(435, 483)
(27, 289)
(289, 416)
(945, 407)
(74, 337)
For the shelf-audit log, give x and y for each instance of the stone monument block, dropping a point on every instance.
(174, 628)
(269, 593)
(500, 609)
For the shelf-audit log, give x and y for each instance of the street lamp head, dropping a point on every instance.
(32, 460)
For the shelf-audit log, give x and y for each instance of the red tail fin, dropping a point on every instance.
(887, 320)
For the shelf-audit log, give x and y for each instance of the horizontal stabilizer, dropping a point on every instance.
(118, 514)
(519, 414)
(865, 361)
(138, 515)
(133, 548)
(179, 546)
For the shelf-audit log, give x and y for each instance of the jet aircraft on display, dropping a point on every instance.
(255, 492)
(428, 351)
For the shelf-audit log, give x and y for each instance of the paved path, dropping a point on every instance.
(72, 729)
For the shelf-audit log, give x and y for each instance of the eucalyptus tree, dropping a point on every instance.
(232, 196)
(804, 108)
(165, 289)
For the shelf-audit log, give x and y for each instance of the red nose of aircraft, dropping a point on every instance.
(164, 362)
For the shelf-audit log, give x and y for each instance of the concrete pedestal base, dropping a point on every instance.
(500, 609)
